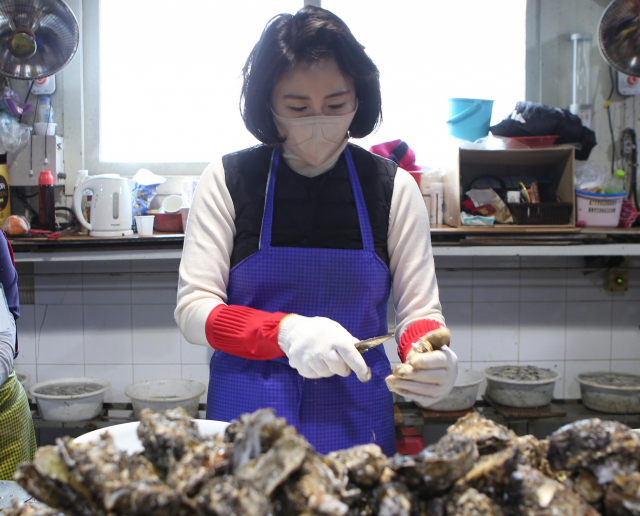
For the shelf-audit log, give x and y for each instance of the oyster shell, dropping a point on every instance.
(473, 503)
(198, 466)
(167, 437)
(586, 485)
(253, 434)
(315, 489)
(489, 437)
(97, 479)
(228, 496)
(491, 473)
(27, 509)
(606, 448)
(623, 496)
(365, 464)
(438, 466)
(48, 479)
(271, 469)
(394, 499)
(533, 494)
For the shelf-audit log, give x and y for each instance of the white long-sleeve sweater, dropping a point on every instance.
(208, 243)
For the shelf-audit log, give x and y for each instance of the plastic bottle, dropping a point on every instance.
(5, 199)
(46, 201)
(615, 185)
(45, 111)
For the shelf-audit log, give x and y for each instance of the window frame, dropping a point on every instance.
(82, 96)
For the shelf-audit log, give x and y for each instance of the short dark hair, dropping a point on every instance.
(308, 36)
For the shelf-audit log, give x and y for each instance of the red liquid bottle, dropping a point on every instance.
(47, 213)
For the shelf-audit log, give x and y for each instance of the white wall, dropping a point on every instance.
(550, 62)
(114, 320)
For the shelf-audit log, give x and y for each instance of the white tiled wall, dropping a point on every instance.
(114, 320)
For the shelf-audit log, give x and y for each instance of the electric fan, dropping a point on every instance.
(38, 38)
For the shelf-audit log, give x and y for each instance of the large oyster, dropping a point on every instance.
(198, 466)
(530, 493)
(438, 466)
(253, 434)
(491, 473)
(275, 466)
(489, 437)
(317, 488)
(26, 509)
(472, 503)
(96, 479)
(167, 437)
(623, 496)
(228, 496)
(394, 499)
(607, 448)
(365, 463)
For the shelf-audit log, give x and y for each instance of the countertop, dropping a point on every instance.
(447, 241)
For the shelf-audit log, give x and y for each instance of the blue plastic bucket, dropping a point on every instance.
(469, 119)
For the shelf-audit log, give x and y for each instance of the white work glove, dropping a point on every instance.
(426, 377)
(319, 347)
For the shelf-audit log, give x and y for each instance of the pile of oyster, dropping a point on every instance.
(262, 466)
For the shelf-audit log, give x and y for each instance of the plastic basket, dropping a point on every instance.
(541, 213)
(598, 210)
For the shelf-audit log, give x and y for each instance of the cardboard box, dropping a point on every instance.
(555, 163)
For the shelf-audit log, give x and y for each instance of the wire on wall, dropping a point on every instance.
(607, 106)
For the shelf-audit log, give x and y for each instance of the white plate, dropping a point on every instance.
(126, 435)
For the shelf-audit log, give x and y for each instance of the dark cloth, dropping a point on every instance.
(318, 212)
(9, 277)
(543, 120)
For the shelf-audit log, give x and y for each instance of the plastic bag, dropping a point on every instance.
(14, 135)
(144, 190)
(11, 102)
(476, 220)
(16, 225)
(590, 177)
(188, 190)
(489, 197)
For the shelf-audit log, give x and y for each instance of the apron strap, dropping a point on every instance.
(267, 216)
(363, 216)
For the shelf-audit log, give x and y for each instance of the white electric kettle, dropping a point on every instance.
(110, 205)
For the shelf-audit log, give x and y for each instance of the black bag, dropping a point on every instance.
(540, 120)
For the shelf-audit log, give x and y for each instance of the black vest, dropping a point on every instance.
(318, 212)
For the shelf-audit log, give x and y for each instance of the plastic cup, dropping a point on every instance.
(144, 223)
(172, 204)
(44, 129)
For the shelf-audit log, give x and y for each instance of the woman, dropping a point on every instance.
(292, 247)
(17, 436)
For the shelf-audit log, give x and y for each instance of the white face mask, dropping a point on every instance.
(314, 138)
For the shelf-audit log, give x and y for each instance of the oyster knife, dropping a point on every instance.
(365, 345)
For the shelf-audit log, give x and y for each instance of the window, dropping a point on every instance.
(165, 93)
(429, 51)
(169, 80)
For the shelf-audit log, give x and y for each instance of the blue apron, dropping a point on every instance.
(346, 285)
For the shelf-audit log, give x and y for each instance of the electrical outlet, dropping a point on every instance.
(628, 85)
(616, 280)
